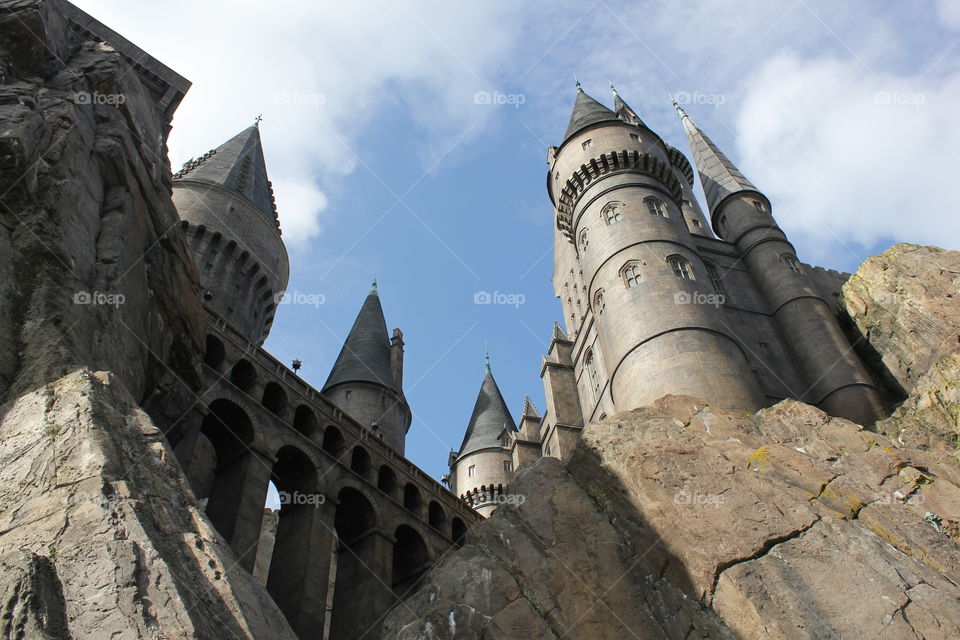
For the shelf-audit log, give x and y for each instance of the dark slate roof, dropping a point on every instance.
(586, 111)
(365, 356)
(719, 176)
(239, 166)
(623, 109)
(490, 417)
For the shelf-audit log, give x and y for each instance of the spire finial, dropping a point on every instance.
(613, 88)
(486, 357)
(256, 121)
(577, 82)
(373, 288)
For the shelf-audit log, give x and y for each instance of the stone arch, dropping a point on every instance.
(436, 515)
(333, 442)
(360, 461)
(411, 497)
(274, 399)
(411, 559)
(243, 376)
(214, 354)
(458, 531)
(305, 420)
(238, 487)
(386, 480)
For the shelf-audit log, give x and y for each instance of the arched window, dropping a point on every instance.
(631, 275)
(655, 207)
(714, 274)
(681, 267)
(791, 263)
(613, 213)
(758, 205)
(591, 367)
(584, 241)
(598, 302)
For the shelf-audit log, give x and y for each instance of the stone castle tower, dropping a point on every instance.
(657, 301)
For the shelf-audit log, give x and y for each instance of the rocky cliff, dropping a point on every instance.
(100, 536)
(680, 520)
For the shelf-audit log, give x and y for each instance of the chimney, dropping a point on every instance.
(396, 358)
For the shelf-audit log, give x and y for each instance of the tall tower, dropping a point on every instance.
(483, 466)
(624, 244)
(742, 215)
(366, 380)
(226, 204)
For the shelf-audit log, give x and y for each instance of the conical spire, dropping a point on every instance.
(365, 356)
(586, 111)
(529, 409)
(719, 176)
(624, 112)
(489, 419)
(237, 165)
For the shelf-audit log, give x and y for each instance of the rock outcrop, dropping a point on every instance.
(680, 520)
(101, 536)
(906, 303)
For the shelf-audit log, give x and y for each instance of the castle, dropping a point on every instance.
(657, 301)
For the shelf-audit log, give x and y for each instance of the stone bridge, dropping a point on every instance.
(358, 524)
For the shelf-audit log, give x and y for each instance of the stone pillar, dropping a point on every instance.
(236, 503)
(300, 566)
(363, 590)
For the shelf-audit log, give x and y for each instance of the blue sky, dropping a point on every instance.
(387, 165)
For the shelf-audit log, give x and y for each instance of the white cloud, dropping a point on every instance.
(318, 73)
(949, 13)
(849, 157)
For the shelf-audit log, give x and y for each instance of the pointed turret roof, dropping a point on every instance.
(719, 176)
(529, 409)
(237, 165)
(624, 112)
(365, 356)
(586, 111)
(489, 419)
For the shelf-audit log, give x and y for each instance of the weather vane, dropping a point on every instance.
(256, 121)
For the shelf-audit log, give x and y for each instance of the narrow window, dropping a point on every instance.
(791, 263)
(587, 144)
(656, 207)
(681, 267)
(613, 213)
(697, 223)
(635, 137)
(631, 275)
(472, 470)
(591, 366)
(584, 241)
(714, 274)
(598, 303)
(758, 205)
(508, 465)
